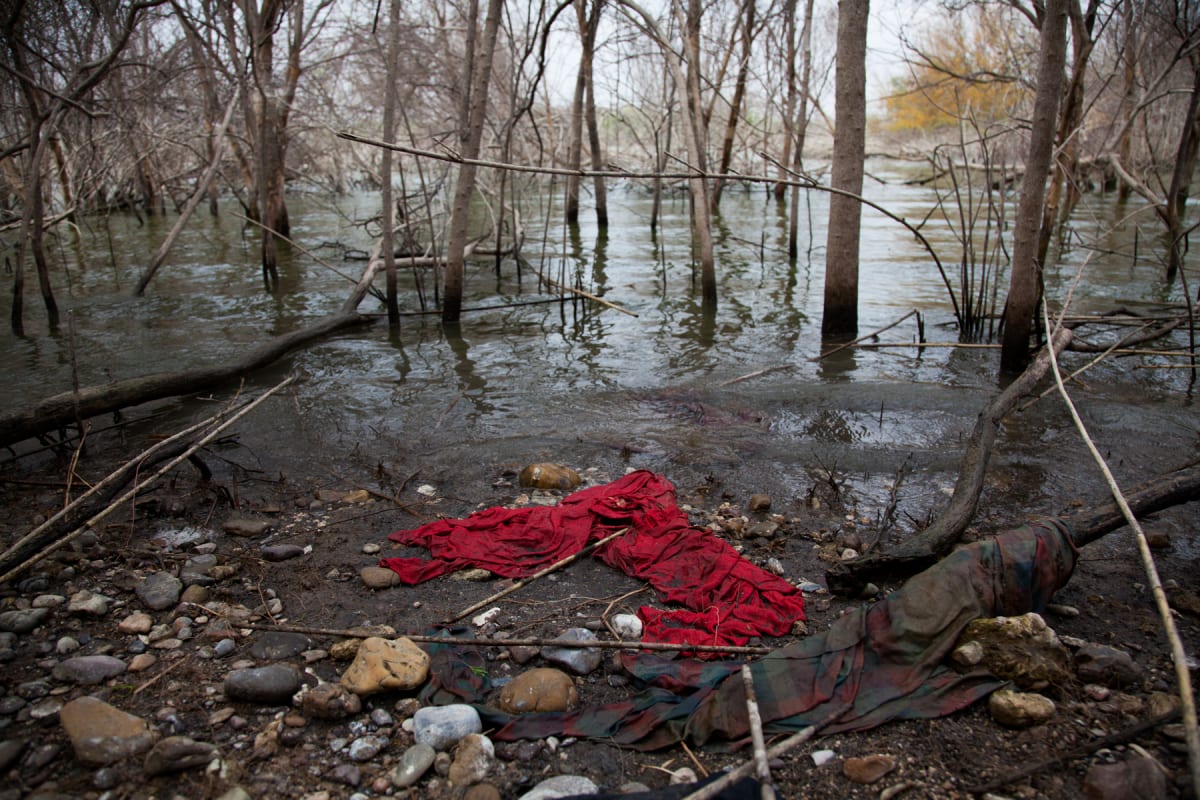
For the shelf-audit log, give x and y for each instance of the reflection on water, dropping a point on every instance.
(571, 381)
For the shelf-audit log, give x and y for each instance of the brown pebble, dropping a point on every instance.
(760, 502)
(868, 769)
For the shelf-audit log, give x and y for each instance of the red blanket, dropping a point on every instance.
(728, 599)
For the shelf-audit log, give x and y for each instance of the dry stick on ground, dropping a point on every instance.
(384, 631)
(118, 477)
(141, 484)
(929, 545)
(1120, 737)
(540, 573)
(761, 770)
(733, 776)
(1178, 656)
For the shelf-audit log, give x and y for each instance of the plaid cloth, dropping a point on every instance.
(876, 663)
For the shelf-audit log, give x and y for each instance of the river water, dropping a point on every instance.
(596, 388)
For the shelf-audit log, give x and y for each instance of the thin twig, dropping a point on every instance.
(160, 676)
(540, 573)
(873, 333)
(755, 374)
(143, 484)
(352, 633)
(1178, 656)
(733, 776)
(1120, 737)
(113, 476)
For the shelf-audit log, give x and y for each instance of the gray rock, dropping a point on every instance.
(281, 552)
(244, 526)
(11, 705)
(66, 645)
(1108, 666)
(88, 670)
(224, 647)
(346, 774)
(560, 786)
(88, 604)
(579, 660)
(271, 685)
(48, 601)
(196, 570)
(177, 753)
(415, 762)
(442, 726)
(106, 778)
(10, 751)
(159, 590)
(381, 718)
(1133, 779)
(33, 690)
(365, 748)
(46, 708)
(23, 621)
(330, 701)
(278, 645)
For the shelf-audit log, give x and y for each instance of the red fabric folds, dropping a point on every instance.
(727, 599)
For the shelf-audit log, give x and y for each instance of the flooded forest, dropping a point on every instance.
(883, 316)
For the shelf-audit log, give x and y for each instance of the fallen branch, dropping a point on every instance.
(1178, 656)
(142, 484)
(734, 775)
(925, 548)
(102, 493)
(64, 409)
(604, 644)
(863, 338)
(1120, 737)
(562, 562)
(761, 770)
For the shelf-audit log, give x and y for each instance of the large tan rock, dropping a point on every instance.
(383, 664)
(1021, 649)
(1020, 709)
(103, 734)
(542, 689)
(549, 476)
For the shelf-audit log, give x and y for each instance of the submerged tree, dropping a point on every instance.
(849, 147)
(57, 54)
(1024, 290)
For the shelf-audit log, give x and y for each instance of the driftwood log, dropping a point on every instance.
(925, 548)
(68, 408)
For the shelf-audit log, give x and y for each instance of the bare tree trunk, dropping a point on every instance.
(575, 135)
(1181, 177)
(1129, 73)
(590, 25)
(689, 104)
(1024, 290)
(789, 104)
(800, 129)
(749, 31)
(479, 76)
(849, 147)
(385, 177)
(201, 189)
(1063, 193)
(697, 151)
